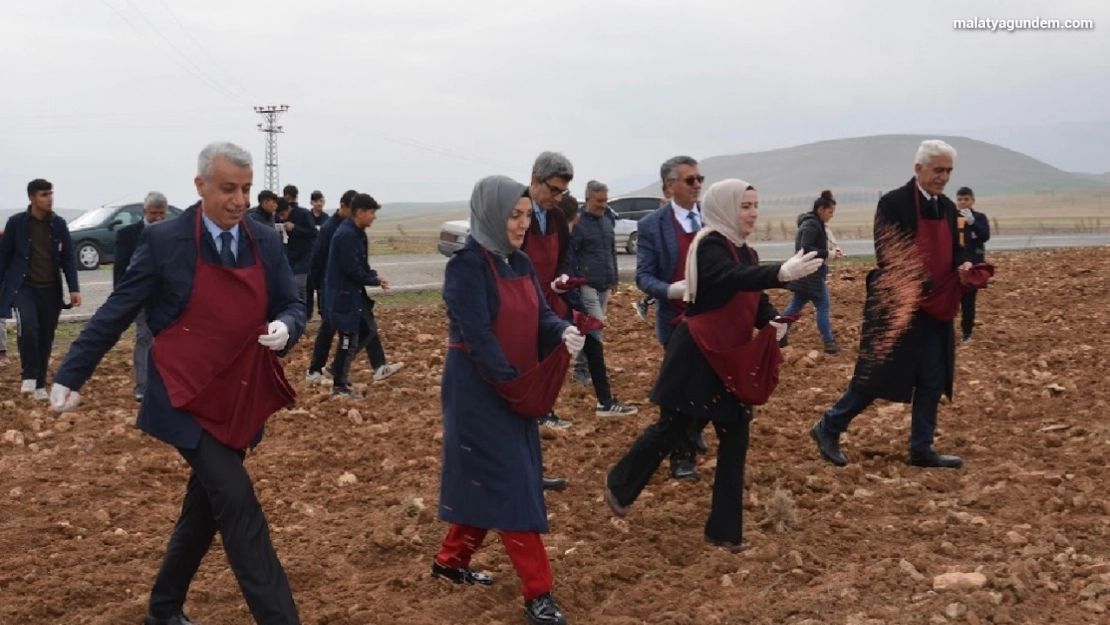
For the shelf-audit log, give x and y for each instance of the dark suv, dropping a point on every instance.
(94, 233)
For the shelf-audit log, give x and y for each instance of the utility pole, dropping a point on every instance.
(271, 114)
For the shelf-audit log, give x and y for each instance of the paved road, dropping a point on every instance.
(423, 272)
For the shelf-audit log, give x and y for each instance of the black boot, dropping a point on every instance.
(544, 611)
(828, 445)
(554, 483)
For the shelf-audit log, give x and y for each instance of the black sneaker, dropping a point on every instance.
(544, 611)
(554, 422)
(464, 575)
(345, 392)
(614, 409)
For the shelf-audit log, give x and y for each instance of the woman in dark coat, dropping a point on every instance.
(492, 463)
(812, 237)
(723, 279)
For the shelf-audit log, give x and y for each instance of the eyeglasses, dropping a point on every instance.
(556, 190)
(690, 180)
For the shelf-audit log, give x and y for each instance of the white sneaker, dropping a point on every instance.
(41, 394)
(387, 370)
(28, 387)
(315, 377)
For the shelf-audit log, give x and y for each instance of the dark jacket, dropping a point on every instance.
(656, 261)
(15, 256)
(127, 239)
(262, 216)
(159, 281)
(893, 378)
(492, 472)
(321, 248)
(975, 235)
(319, 220)
(301, 239)
(593, 242)
(346, 277)
(687, 382)
(811, 237)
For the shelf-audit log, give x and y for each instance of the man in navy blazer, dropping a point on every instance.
(160, 280)
(35, 252)
(127, 239)
(301, 230)
(663, 237)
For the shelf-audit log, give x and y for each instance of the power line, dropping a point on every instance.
(271, 115)
(219, 65)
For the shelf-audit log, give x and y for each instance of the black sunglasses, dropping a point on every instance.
(689, 180)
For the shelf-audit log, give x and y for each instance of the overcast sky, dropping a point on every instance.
(416, 100)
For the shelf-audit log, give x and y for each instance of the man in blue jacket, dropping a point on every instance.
(301, 230)
(664, 236)
(325, 333)
(975, 232)
(127, 239)
(35, 252)
(222, 304)
(347, 307)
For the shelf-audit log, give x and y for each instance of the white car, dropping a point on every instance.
(452, 236)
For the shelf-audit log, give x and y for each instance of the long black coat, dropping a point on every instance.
(894, 377)
(687, 382)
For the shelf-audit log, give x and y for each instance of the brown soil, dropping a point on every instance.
(87, 502)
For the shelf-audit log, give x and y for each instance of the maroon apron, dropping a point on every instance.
(685, 240)
(749, 368)
(210, 359)
(532, 393)
(934, 244)
(543, 250)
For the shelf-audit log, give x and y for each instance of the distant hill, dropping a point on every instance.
(860, 168)
(1103, 178)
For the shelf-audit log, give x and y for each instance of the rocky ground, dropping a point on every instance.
(1020, 535)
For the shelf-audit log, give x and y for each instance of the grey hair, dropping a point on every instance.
(153, 199)
(669, 169)
(594, 186)
(932, 148)
(237, 155)
(550, 165)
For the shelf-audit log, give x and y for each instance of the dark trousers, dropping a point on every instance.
(325, 334)
(928, 388)
(37, 312)
(220, 497)
(599, 375)
(967, 312)
(350, 344)
(631, 474)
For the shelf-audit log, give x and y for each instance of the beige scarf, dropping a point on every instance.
(720, 212)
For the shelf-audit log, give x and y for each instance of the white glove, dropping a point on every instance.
(677, 290)
(968, 216)
(799, 266)
(574, 340)
(278, 336)
(62, 399)
(780, 329)
(562, 278)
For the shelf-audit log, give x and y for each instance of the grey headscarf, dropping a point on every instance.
(491, 203)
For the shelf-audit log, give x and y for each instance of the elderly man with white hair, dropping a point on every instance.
(127, 239)
(907, 344)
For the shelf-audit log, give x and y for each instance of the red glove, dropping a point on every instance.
(586, 323)
(786, 318)
(570, 284)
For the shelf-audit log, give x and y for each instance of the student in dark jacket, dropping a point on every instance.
(221, 302)
(492, 475)
(127, 240)
(347, 307)
(907, 351)
(266, 211)
(325, 333)
(975, 231)
(724, 291)
(36, 251)
(812, 237)
(301, 234)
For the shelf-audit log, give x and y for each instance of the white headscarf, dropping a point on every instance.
(720, 212)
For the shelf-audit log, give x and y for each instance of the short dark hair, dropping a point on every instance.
(36, 185)
(965, 191)
(283, 205)
(825, 201)
(347, 197)
(569, 206)
(316, 195)
(266, 194)
(362, 202)
(290, 191)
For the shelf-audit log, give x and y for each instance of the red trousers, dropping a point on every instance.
(525, 549)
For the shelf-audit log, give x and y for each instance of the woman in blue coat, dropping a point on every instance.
(492, 477)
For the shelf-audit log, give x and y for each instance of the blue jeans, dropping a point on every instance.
(928, 388)
(824, 324)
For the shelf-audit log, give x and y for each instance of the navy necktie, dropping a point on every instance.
(227, 257)
(695, 223)
(935, 207)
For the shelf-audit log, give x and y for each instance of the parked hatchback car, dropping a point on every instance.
(452, 236)
(94, 232)
(629, 211)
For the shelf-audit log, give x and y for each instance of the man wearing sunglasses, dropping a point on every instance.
(664, 237)
(547, 244)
